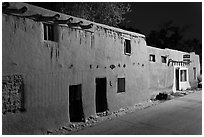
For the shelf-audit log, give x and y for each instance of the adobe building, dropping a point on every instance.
(172, 69)
(59, 69)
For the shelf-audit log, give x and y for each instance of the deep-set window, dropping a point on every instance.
(152, 58)
(127, 47)
(194, 73)
(121, 85)
(183, 75)
(48, 32)
(163, 59)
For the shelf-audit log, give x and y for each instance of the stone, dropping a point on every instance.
(65, 128)
(169, 97)
(91, 117)
(49, 132)
(153, 97)
(121, 109)
(72, 126)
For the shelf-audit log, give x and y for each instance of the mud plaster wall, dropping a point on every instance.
(195, 63)
(109, 50)
(178, 55)
(25, 53)
(48, 68)
(12, 94)
(161, 75)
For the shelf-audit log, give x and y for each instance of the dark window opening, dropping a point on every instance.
(127, 46)
(183, 75)
(75, 104)
(101, 98)
(163, 59)
(194, 72)
(152, 58)
(121, 85)
(49, 32)
(177, 79)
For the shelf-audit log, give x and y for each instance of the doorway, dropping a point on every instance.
(101, 98)
(75, 104)
(177, 79)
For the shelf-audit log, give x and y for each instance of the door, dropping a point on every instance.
(177, 79)
(75, 104)
(101, 99)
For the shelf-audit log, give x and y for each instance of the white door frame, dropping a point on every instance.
(183, 85)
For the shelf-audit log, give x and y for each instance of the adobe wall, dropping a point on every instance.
(178, 55)
(194, 64)
(79, 56)
(162, 75)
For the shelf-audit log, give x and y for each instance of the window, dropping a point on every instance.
(163, 59)
(121, 85)
(152, 58)
(194, 72)
(48, 32)
(183, 75)
(127, 46)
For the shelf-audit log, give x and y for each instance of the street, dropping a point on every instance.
(180, 116)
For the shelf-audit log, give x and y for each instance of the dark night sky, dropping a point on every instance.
(147, 16)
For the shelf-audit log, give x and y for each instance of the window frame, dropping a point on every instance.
(119, 80)
(183, 78)
(165, 58)
(49, 31)
(154, 57)
(127, 47)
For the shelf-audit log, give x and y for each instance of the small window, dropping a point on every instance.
(121, 85)
(183, 75)
(127, 46)
(163, 59)
(194, 72)
(48, 32)
(152, 58)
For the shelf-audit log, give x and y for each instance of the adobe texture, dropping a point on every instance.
(77, 56)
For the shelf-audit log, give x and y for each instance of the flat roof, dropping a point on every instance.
(38, 10)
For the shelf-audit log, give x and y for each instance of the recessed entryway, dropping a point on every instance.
(101, 96)
(75, 103)
(177, 78)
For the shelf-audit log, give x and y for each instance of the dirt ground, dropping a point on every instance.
(91, 121)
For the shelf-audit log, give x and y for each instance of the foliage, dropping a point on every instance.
(168, 36)
(130, 28)
(109, 13)
(171, 36)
